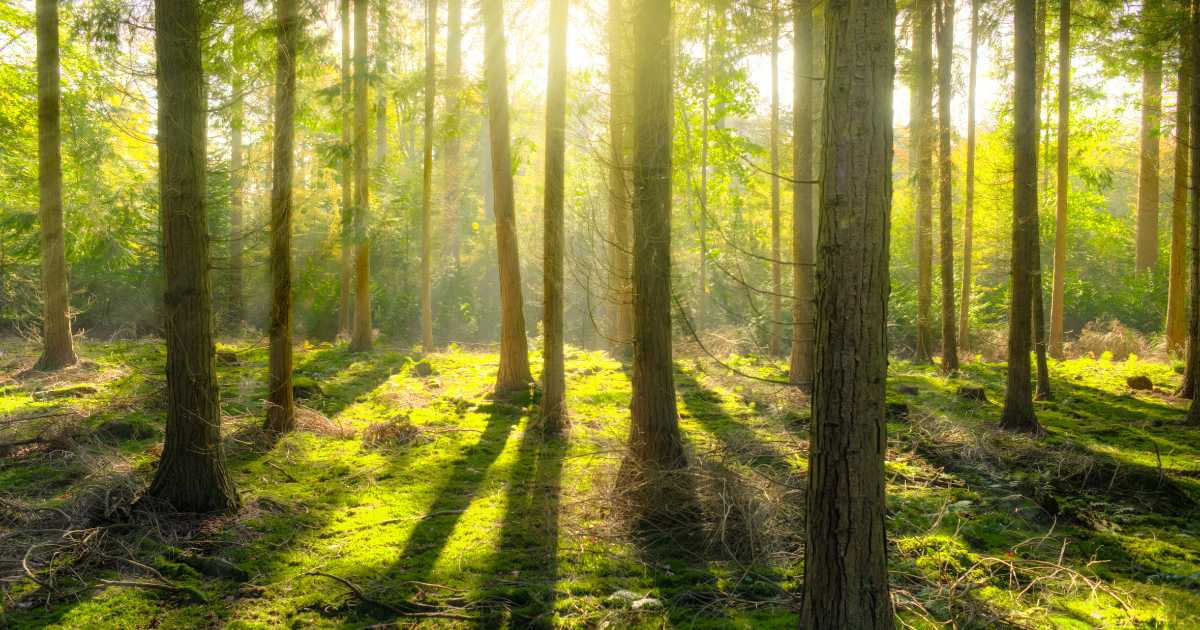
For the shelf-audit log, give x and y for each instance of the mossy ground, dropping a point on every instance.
(475, 514)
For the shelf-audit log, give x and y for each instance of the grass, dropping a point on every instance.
(431, 498)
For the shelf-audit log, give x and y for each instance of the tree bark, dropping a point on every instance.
(922, 130)
(945, 38)
(964, 307)
(553, 376)
(237, 299)
(345, 303)
(1193, 349)
(427, 179)
(281, 411)
(845, 568)
(191, 474)
(620, 142)
(361, 338)
(1018, 412)
(57, 346)
(803, 331)
(1177, 284)
(514, 350)
(775, 345)
(1042, 390)
(1147, 202)
(1058, 291)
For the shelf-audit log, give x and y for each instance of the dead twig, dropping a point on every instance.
(358, 593)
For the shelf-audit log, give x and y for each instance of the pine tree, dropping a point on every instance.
(553, 376)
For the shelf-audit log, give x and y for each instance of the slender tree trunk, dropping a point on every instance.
(702, 296)
(654, 440)
(382, 52)
(620, 141)
(345, 304)
(1042, 392)
(845, 559)
(945, 19)
(776, 343)
(427, 179)
(803, 331)
(452, 148)
(281, 411)
(1147, 208)
(57, 347)
(553, 377)
(191, 474)
(361, 338)
(514, 349)
(1018, 399)
(922, 129)
(1177, 285)
(237, 299)
(964, 307)
(1058, 292)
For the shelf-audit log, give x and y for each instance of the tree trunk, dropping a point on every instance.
(776, 344)
(381, 69)
(1193, 348)
(654, 440)
(1018, 400)
(1177, 285)
(514, 349)
(57, 347)
(345, 304)
(620, 136)
(191, 474)
(845, 568)
(1058, 292)
(964, 307)
(922, 130)
(945, 34)
(702, 295)
(452, 147)
(281, 412)
(801, 367)
(361, 338)
(1042, 392)
(237, 299)
(553, 377)
(427, 179)
(1147, 201)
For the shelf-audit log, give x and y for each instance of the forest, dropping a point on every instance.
(841, 314)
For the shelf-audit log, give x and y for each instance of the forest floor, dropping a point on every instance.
(409, 496)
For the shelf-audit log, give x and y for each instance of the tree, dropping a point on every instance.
(620, 141)
(801, 365)
(1177, 283)
(451, 149)
(345, 305)
(553, 377)
(1146, 255)
(845, 567)
(964, 307)
(654, 440)
(237, 300)
(921, 131)
(281, 411)
(514, 349)
(705, 94)
(1018, 400)
(1042, 391)
(191, 474)
(775, 344)
(360, 340)
(945, 39)
(1193, 416)
(1058, 290)
(57, 346)
(427, 179)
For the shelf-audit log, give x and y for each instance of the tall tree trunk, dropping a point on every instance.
(845, 568)
(922, 129)
(776, 343)
(620, 143)
(452, 147)
(654, 440)
(427, 179)
(191, 474)
(553, 377)
(361, 338)
(237, 300)
(803, 331)
(382, 52)
(964, 307)
(1042, 392)
(1147, 201)
(1177, 285)
(1193, 416)
(281, 411)
(345, 303)
(514, 348)
(57, 347)
(1018, 399)
(945, 19)
(1058, 292)
(702, 296)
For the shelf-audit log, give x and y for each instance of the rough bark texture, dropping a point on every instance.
(945, 38)
(514, 349)
(452, 146)
(191, 474)
(553, 376)
(1018, 398)
(281, 411)
(845, 568)
(1188, 388)
(57, 347)
(620, 144)
(801, 365)
(922, 138)
(1147, 201)
(1058, 290)
(345, 302)
(775, 344)
(964, 307)
(361, 338)
(427, 178)
(1177, 284)
(237, 300)
(654, 440)
(1042, 390)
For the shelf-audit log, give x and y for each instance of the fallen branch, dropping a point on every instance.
(358, 593)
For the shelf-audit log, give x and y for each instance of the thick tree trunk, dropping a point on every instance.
(964, 307)
(1188, 388)
(1177, 284)
(654, 441)
(452, 147)
(191, 474)
(1147, 201)
(427, 179)
(237, 299)
(620, 142)
(57, 347)
(345, 302)
(1018, 399)
(845, 559)
(553, 376)
(1058, 291)
(945, 34)
(514, 348)
(922, 131)
(281, 411)
(775, 344)
(803, 331)
(361, 338)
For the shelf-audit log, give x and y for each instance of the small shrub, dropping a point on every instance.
(1110, 338)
